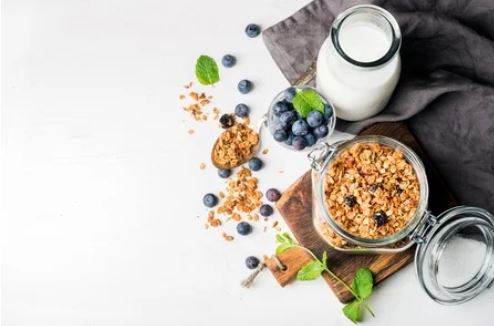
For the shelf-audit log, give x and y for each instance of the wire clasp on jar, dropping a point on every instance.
(428, 222)
(319, 154)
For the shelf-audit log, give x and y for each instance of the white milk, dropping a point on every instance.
(358, 92)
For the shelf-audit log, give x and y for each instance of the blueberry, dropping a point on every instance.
(300, 128)
(328, 112)
(290, 94)
(283, 126)
(288, 116)
(280, 135)
(228, 60)
(310, 139)
(350, 200)
(289, 140)
(244, 86)
(252, 30)
(280, 107)
(242, 110)
(321, 131)
(299, 143)
(244, 228)
(273, 194)
(224, 173)
(210, 200)
(315, 119)
(255, 164)
(266, 210)
(252, 262)
(380, 218)
(227, 120)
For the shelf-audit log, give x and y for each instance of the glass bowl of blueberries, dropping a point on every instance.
(300, 117)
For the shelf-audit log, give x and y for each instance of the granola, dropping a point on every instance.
(371, 191)
(235, 145)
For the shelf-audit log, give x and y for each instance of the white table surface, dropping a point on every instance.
(102, 220)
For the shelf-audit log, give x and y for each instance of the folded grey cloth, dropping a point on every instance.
(446, 90)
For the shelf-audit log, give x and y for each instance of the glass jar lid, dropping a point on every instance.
(454, 260)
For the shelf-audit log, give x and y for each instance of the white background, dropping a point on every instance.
(102, 220)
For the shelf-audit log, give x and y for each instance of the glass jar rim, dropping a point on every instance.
(420, 211)
(393, 24)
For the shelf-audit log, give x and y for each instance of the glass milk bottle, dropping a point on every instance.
(359, 64)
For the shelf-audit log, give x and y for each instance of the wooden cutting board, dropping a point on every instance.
(296, 208)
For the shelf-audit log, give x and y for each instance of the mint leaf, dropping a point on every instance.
(307, 100)
(311, 271)
(362, 283)
(283, 247)
(285, 242)
(207, 70)
(352, 311)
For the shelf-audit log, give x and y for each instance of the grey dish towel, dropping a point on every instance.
(446, 90)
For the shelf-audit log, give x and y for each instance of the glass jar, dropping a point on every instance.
(359, 64)
(454, 257)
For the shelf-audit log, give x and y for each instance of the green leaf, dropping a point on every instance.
(307, 100)
(311, 271)
(362, 283)
(324, 259)
(283, 247)
(352, 311)
(207, 70)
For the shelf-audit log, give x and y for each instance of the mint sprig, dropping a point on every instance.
(207, 70)
(307, 100)
(362, 282)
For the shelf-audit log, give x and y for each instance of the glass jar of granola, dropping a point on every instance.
(370, 195)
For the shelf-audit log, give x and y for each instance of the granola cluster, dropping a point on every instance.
(235, 145)
(371, 191)
(242, 195)
(197, 103)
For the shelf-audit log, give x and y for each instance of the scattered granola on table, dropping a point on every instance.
(371, 191)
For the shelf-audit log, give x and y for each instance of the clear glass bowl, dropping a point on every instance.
(272, 120)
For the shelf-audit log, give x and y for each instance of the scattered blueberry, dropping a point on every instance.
(242, 110)
(244, 228)
(252, 262)
(244, 86)
(315, 119)
(321, 131)
(280, 107)
(288, 116)
(224, 173)
(380, 218)
(266, 210)
(252, 30)
(290, 94)
(300, 128)
(228, 60)
(310, 139)
(280, 135)
(328, 112)
(350, 200)
(255, 164)
(289, 140)
(299, 143)
(273, 194)
(210, 200)
(227, 120)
